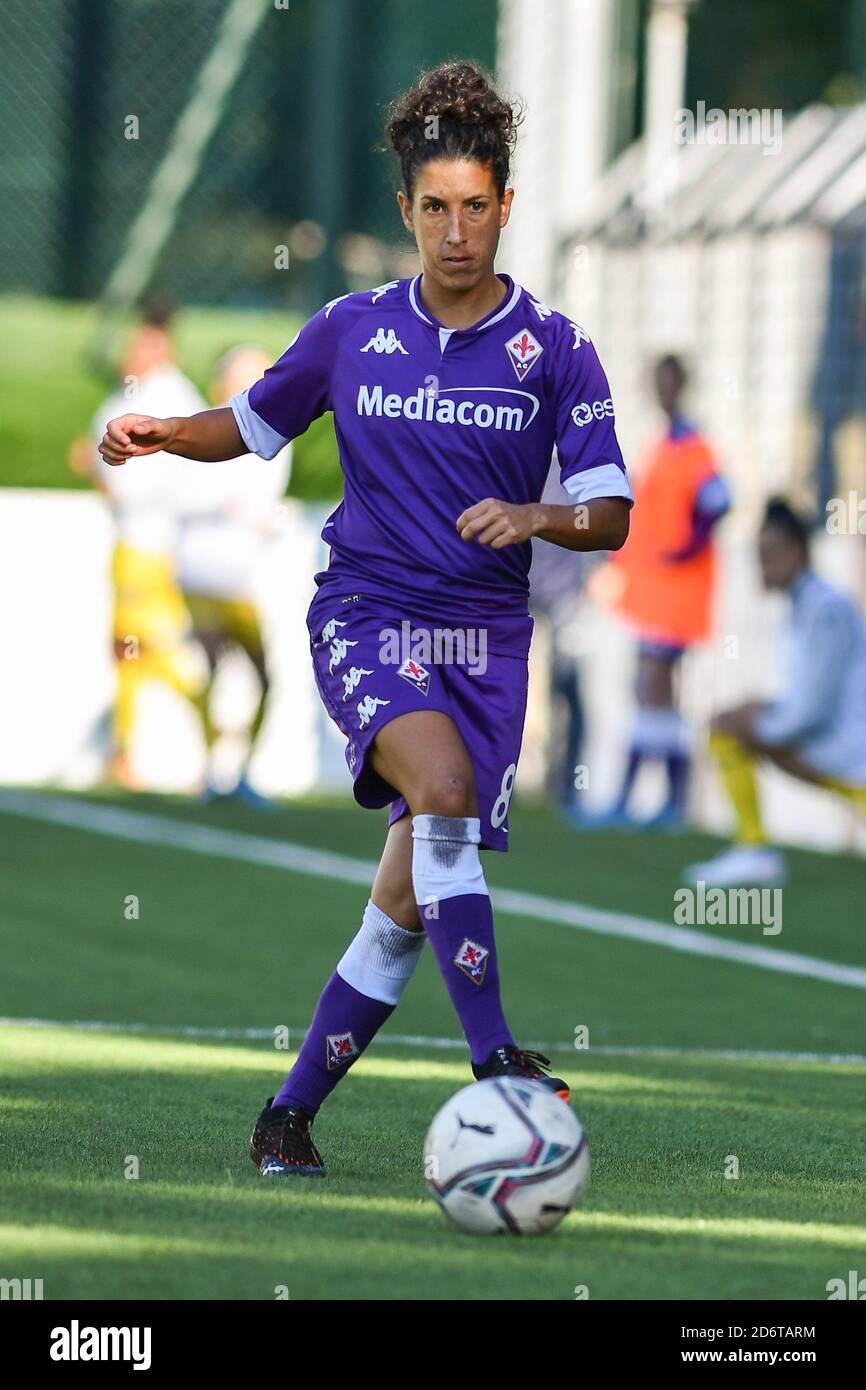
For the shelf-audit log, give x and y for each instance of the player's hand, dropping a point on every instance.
(128, 436)
(496, 523)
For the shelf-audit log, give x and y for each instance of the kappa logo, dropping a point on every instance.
(523, 352)
(580, 335)
(329, 631)
(543, 310)
(472, 960)
(352, 679)
(367, 708)
(340, 1048)
(331, 302)
(383, 289)
(415, 674)
(339, 648)
(385, 342)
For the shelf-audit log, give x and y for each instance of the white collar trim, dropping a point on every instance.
(511, 300)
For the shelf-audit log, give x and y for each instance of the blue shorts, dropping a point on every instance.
(373, 664)
(664, 651)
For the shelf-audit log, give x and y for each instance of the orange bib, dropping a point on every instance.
(665, 600)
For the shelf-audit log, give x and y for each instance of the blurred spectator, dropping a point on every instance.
(665, 586)
(816, 729)
(229, 511)
(151, 625)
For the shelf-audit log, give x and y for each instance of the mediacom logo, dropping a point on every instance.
(587, 411)
(438, 407)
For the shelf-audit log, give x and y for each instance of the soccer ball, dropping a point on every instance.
(506, 1155)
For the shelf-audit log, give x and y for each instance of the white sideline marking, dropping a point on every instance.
(713, 1054)
(123, 824)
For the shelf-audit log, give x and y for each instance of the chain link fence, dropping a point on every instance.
(92, 93)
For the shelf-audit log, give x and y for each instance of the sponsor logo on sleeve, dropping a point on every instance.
(586, 411)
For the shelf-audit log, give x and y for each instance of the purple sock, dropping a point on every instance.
(361, 994)
(345, 1022)
(454, 905)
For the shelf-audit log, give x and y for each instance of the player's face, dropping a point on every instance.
(456, 216)
(781, 558)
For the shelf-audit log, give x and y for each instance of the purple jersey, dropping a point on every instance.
(430, 420)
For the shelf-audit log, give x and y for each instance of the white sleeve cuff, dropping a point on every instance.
(601, 480)
(259, 437)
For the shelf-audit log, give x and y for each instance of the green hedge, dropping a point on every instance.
(50, 387)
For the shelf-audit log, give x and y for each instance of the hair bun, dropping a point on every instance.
(453, 111)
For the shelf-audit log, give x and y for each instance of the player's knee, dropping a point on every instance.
(446, 793)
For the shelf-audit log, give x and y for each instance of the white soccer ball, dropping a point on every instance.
(506, 1155)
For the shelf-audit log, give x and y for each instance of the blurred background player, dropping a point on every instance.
(151, 625)
(229, 511)
(666, 582)
(816, 729)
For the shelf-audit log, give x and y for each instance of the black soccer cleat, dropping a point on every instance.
(280, 1144)
(514, 1061)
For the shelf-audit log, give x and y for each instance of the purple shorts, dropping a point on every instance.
(373, 664)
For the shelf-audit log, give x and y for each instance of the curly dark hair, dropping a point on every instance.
(453, 112)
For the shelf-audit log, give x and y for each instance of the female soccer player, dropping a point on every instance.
(449, 391)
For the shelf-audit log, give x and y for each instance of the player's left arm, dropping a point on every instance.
(591, 467)
(599, 524)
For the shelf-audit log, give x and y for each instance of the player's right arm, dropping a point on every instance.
(292, 393)
(210, 436)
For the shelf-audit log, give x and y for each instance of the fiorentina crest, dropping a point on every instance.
(472, 960)
(415, 674)
(341, 1048)
(523, 352)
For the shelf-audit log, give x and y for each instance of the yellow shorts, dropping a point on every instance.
(236, 617)
(148, 605)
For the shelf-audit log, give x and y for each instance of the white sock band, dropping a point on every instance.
(380, 960)
(445, 859)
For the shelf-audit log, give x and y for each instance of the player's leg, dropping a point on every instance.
(211, 636)
(246, 630)
(750, 859)
(357, 1000)
(658, 732)
(424, 755)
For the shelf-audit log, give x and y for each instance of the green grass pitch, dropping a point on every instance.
(225, 944)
